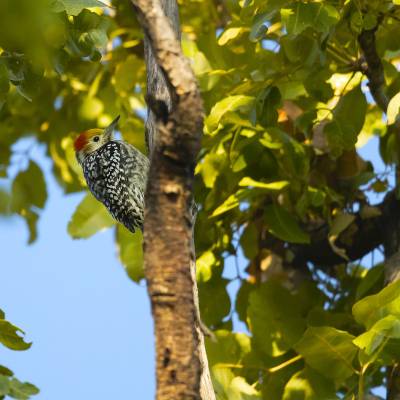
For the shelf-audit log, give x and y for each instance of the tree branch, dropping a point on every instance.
(368, 234)
(173, 133)
(320, 252)
(374, 67)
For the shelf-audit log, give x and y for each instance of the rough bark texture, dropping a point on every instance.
(173, 133)
(157, 86)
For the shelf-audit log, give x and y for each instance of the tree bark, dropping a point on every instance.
(173, 133)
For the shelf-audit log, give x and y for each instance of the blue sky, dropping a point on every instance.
(90, 325)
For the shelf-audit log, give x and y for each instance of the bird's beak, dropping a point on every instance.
(108, 132)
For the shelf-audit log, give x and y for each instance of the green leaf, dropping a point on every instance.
(130, 252)
(241, 390)
(232, 201)
(293, 156)
(31, 219)
(221, 379)
(228, 104)
(4, 203)
(274, 318)
(371, 309)
(4, 79)
(229, 348)
(299, 49)
(249, 241)
(380, 332)
(10, 338)
(4, 385)
(348, 120)
(316, 196)
(124, 81)
(89, 217)
(319, 16)
(393, 109)
(329, 351)
(267, 102)
(22, 390)
(273, 186)
(29, 189)
(242, 300)
(5, 371)
(283, 225)
(74, 7)
(215, 303)
(373, 277)
(308, 384)
(230, 387)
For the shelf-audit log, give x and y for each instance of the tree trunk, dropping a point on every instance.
(173, 133)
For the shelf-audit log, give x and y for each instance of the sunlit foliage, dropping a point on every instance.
(287, 106)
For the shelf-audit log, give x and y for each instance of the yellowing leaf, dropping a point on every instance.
(210, 167)
(130, 252)
(232, 202)
(89, 217)
(230, 34)
(393, 109)
(204, 266)
(339, 224)
(91, 108)
(273, 186)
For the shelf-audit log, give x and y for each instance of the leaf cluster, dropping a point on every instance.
(10, 337)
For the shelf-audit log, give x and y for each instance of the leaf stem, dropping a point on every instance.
(270, 370)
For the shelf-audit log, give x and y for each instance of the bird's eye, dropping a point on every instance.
(96, 139)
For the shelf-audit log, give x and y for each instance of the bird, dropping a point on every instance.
(115, 172)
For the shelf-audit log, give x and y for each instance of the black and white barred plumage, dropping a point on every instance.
(116, 174)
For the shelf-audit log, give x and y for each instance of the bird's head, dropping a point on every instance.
(91, 140)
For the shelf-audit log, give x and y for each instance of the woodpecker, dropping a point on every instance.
(115, 172)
